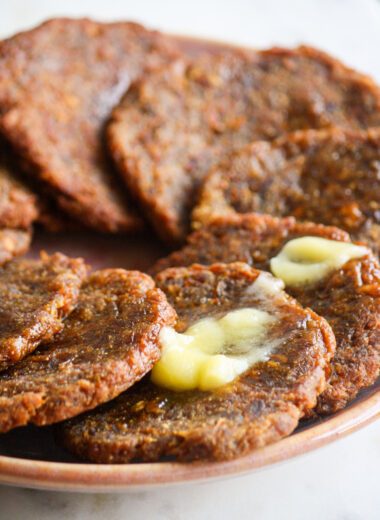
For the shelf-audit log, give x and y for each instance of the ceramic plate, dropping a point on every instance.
(31, 457)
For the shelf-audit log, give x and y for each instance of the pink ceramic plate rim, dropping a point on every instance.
(96, 477)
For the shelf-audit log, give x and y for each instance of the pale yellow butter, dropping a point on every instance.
(212, 352)
(265, 287)
(309, 259)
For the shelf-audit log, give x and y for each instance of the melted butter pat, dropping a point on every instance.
(212, 352)
(265, 287)
(309, 259)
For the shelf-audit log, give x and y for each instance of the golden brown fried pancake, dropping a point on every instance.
(58, 83)
(24, 202)
(260, 406)
(18, 204)
(13, 242)
(108, 342)
(349, 297)
(172, 127)
(35, 297)
(327, 176)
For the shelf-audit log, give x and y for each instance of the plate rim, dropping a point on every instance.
(79, 477)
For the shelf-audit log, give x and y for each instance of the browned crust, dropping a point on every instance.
(18, 204)
(108, 342)
(58, 83)
(14, 242)
(35, 297)
(348, 298)
(327, 176)
(24, 202)
(172, 127)
(250, 238)
(54, 220)
(261, 406)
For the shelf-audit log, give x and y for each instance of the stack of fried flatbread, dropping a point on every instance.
(226, 154)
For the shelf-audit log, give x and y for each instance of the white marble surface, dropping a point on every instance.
(338, 482)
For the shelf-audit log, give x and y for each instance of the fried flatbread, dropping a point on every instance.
(58, 83)
(172, 127)
(35, 297)
(331, 177)
(18, 204)
(23, 201)
(13, 242)
(260, 406)
(348, 298)
(108, 342)
(54, 220)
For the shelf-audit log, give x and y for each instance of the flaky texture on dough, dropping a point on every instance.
(13, 243)
(260, 406)
(58, 84)
(348, 298)
(35, 297)
(172, 127)
(108, 342)
(326, 176)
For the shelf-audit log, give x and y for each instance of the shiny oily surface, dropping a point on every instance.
(30, 457)
(41, 464)
(261, 406)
